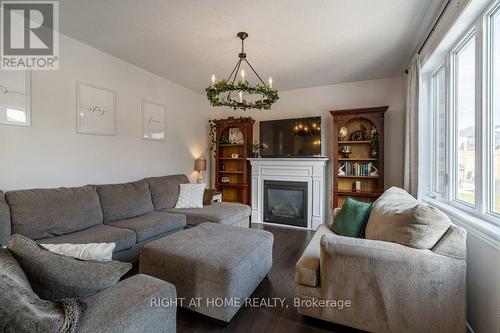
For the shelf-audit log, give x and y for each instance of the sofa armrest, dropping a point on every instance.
(140, 303)
(394, 282)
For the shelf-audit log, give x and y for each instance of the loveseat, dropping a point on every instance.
(390, 287)
(128, 214)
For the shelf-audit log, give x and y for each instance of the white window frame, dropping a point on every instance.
(435, 127)
(489, 120)
(483, 210)
(452, 117)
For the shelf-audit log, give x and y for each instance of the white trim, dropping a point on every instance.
(309, 170)
(474, 224)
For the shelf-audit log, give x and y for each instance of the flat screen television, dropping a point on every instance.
(299, 137)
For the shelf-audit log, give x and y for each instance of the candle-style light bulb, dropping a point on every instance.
(241, 96)
(213, 78)
(270, 82)
(243, 75)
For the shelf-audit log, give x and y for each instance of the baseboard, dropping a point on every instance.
(468, 328)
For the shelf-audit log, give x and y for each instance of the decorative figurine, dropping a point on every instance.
(341, 171)
(360, 135)
(373, 169)
(342, 133)
(346, 151)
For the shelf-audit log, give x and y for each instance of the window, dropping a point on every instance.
(465, 132)
(494, 20)
(463, 85)
(439, 109)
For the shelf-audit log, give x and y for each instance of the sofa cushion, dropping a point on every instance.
(152, 224)
(397, 217)
(352, 218)
(307, 268)
(165, 190)
(11, 268)
(5, 229)
(219, 212)
(55, 277)
(21, 310)
(124, 201)
(123, 238)
(42, 213)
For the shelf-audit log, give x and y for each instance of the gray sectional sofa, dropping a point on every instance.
(129, 214)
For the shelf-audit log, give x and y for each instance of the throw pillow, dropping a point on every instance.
(190, 196)
(399, 218)
(22, 310)
(90, 251)
(54, 276)
(351, 219)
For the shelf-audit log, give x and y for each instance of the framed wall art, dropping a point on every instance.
(153, 120)
(96, 110)
(15, 98)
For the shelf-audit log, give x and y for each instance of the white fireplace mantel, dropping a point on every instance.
(310, 170)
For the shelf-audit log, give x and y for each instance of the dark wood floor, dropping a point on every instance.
(288, 246)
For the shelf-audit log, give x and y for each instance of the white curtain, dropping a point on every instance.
(411, 128)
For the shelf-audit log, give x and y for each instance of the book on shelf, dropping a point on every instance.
(356, 168)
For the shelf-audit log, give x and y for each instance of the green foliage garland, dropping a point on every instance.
(213, 140)
(213, 94)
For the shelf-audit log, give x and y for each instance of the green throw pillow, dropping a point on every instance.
(352, 218)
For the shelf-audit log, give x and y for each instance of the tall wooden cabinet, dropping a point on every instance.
(232, 167)
(358, 154)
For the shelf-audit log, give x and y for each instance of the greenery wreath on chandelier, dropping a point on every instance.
(269, 95)
(228, 92)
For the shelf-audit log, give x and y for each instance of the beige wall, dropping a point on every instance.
(318, 101)
(50, 153)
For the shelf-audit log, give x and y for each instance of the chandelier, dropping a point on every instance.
(241, 94)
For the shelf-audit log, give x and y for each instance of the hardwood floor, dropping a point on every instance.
(288, 246)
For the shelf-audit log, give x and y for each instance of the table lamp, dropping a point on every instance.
(200, 165)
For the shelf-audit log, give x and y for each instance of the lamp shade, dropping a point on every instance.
(200, 164)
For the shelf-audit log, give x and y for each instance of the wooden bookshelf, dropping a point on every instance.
(237, 170)
(358, 166)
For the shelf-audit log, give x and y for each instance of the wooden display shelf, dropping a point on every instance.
(366, 177)
(357, 194)
(231, 185)
(354, 120)
(353, 142)
(357, 159)
(236, 170)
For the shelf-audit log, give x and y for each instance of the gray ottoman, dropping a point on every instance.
(214, 267)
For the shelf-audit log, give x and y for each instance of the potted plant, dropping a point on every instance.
(255, 147)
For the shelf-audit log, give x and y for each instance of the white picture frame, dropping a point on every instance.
(15, 98)
(95, 109)
(153, 121)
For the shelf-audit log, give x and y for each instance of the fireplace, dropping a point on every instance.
(285, 202)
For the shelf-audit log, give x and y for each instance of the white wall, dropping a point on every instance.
(50, 153)
(318, 101)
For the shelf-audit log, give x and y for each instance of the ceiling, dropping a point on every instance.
(300, 43)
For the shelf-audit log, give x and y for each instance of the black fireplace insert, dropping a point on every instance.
(285, 202)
